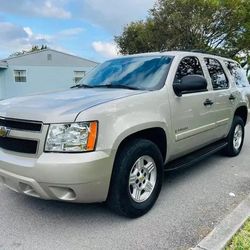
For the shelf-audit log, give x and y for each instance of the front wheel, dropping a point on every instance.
(235, 137)
(137, 178)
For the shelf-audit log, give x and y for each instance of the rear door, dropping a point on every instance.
(239, 77)
(223, 96)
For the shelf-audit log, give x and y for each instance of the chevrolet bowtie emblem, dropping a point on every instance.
(4, 131)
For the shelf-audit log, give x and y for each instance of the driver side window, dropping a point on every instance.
(188, 66)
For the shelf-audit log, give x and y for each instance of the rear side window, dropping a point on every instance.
(217, 74)
(238, 74)
(188, 66)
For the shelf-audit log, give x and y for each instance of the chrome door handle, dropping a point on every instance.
(208, 102)
(232, 97)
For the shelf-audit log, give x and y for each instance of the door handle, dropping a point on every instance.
(232, 97)
(208, 102)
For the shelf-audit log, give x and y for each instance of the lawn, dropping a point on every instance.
(241, 241)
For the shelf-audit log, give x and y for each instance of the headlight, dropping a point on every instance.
(72, 137)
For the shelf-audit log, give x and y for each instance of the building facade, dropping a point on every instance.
(43, 71)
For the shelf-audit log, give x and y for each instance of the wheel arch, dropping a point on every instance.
(242, 112)
(155, 134)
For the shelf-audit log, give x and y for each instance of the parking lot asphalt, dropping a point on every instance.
(191, 203)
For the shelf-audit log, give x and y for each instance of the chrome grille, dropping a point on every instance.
(19, 145)
(25, 137)
(21, 125)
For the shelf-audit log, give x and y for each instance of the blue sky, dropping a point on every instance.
(82, 27)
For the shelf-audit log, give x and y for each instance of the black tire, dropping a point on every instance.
(119, 199)
(230, 150)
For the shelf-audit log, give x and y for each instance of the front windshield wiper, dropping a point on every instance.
(81, 86)
(116, 86)
(109, 85)
(121, 86)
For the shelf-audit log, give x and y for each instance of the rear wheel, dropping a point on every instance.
(235, 137)
(137, 178)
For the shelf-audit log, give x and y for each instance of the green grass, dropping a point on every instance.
(241, 241)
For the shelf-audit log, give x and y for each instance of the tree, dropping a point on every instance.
(215, 26)
(33, 49)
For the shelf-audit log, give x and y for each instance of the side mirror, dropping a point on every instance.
(177, 89)
(189, 84)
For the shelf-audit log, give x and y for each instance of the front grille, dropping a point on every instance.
(21, 125)
(23, 137)
(18, 145)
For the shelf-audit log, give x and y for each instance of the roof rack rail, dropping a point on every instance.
(187, 50)
(193, 50)
(203, 52)
(199, 51)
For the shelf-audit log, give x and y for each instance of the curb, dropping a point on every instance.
(223, 233)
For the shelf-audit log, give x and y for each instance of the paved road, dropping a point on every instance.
(192, 202)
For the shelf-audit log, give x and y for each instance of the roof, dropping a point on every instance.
(179, 53)
(3, 65)
(175, 53)
(45, 50)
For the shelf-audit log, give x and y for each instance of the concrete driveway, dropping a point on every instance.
(191, 203)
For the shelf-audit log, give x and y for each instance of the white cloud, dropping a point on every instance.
(111, 14)
(9, 31)
(106, 49)
(28, 30)
(70, 32)
(50, 9)
(114, 14)
(15, 38)
(40, 8)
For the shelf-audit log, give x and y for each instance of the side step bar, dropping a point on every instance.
(196, 156)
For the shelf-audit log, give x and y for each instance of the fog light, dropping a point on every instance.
(63, 193)
(27, 189)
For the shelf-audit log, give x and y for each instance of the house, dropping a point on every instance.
(41, 71)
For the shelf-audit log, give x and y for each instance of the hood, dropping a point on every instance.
(60, 106)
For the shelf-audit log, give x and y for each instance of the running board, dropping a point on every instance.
(196, 156)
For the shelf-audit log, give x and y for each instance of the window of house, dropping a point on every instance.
(78, 75)
(217, 74)
(20, 75)
(238, 74)
(49, 57)
(188, 66)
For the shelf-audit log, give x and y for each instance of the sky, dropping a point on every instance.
(81, 27)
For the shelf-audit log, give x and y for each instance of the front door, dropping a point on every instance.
(192, 113)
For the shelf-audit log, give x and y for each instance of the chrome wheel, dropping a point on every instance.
(238, 137)
(142, 179)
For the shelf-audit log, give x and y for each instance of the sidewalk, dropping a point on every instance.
(223, 233)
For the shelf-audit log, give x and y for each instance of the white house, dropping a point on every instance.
(41, 71)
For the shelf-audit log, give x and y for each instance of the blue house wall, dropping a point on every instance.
(46, 71)
(39, 79)
(2, 83)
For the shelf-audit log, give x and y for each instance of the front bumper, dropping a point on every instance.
(83, 177)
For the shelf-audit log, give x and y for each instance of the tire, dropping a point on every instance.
(233, 148)
(137, 157)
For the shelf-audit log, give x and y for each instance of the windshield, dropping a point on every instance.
(144, 72)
